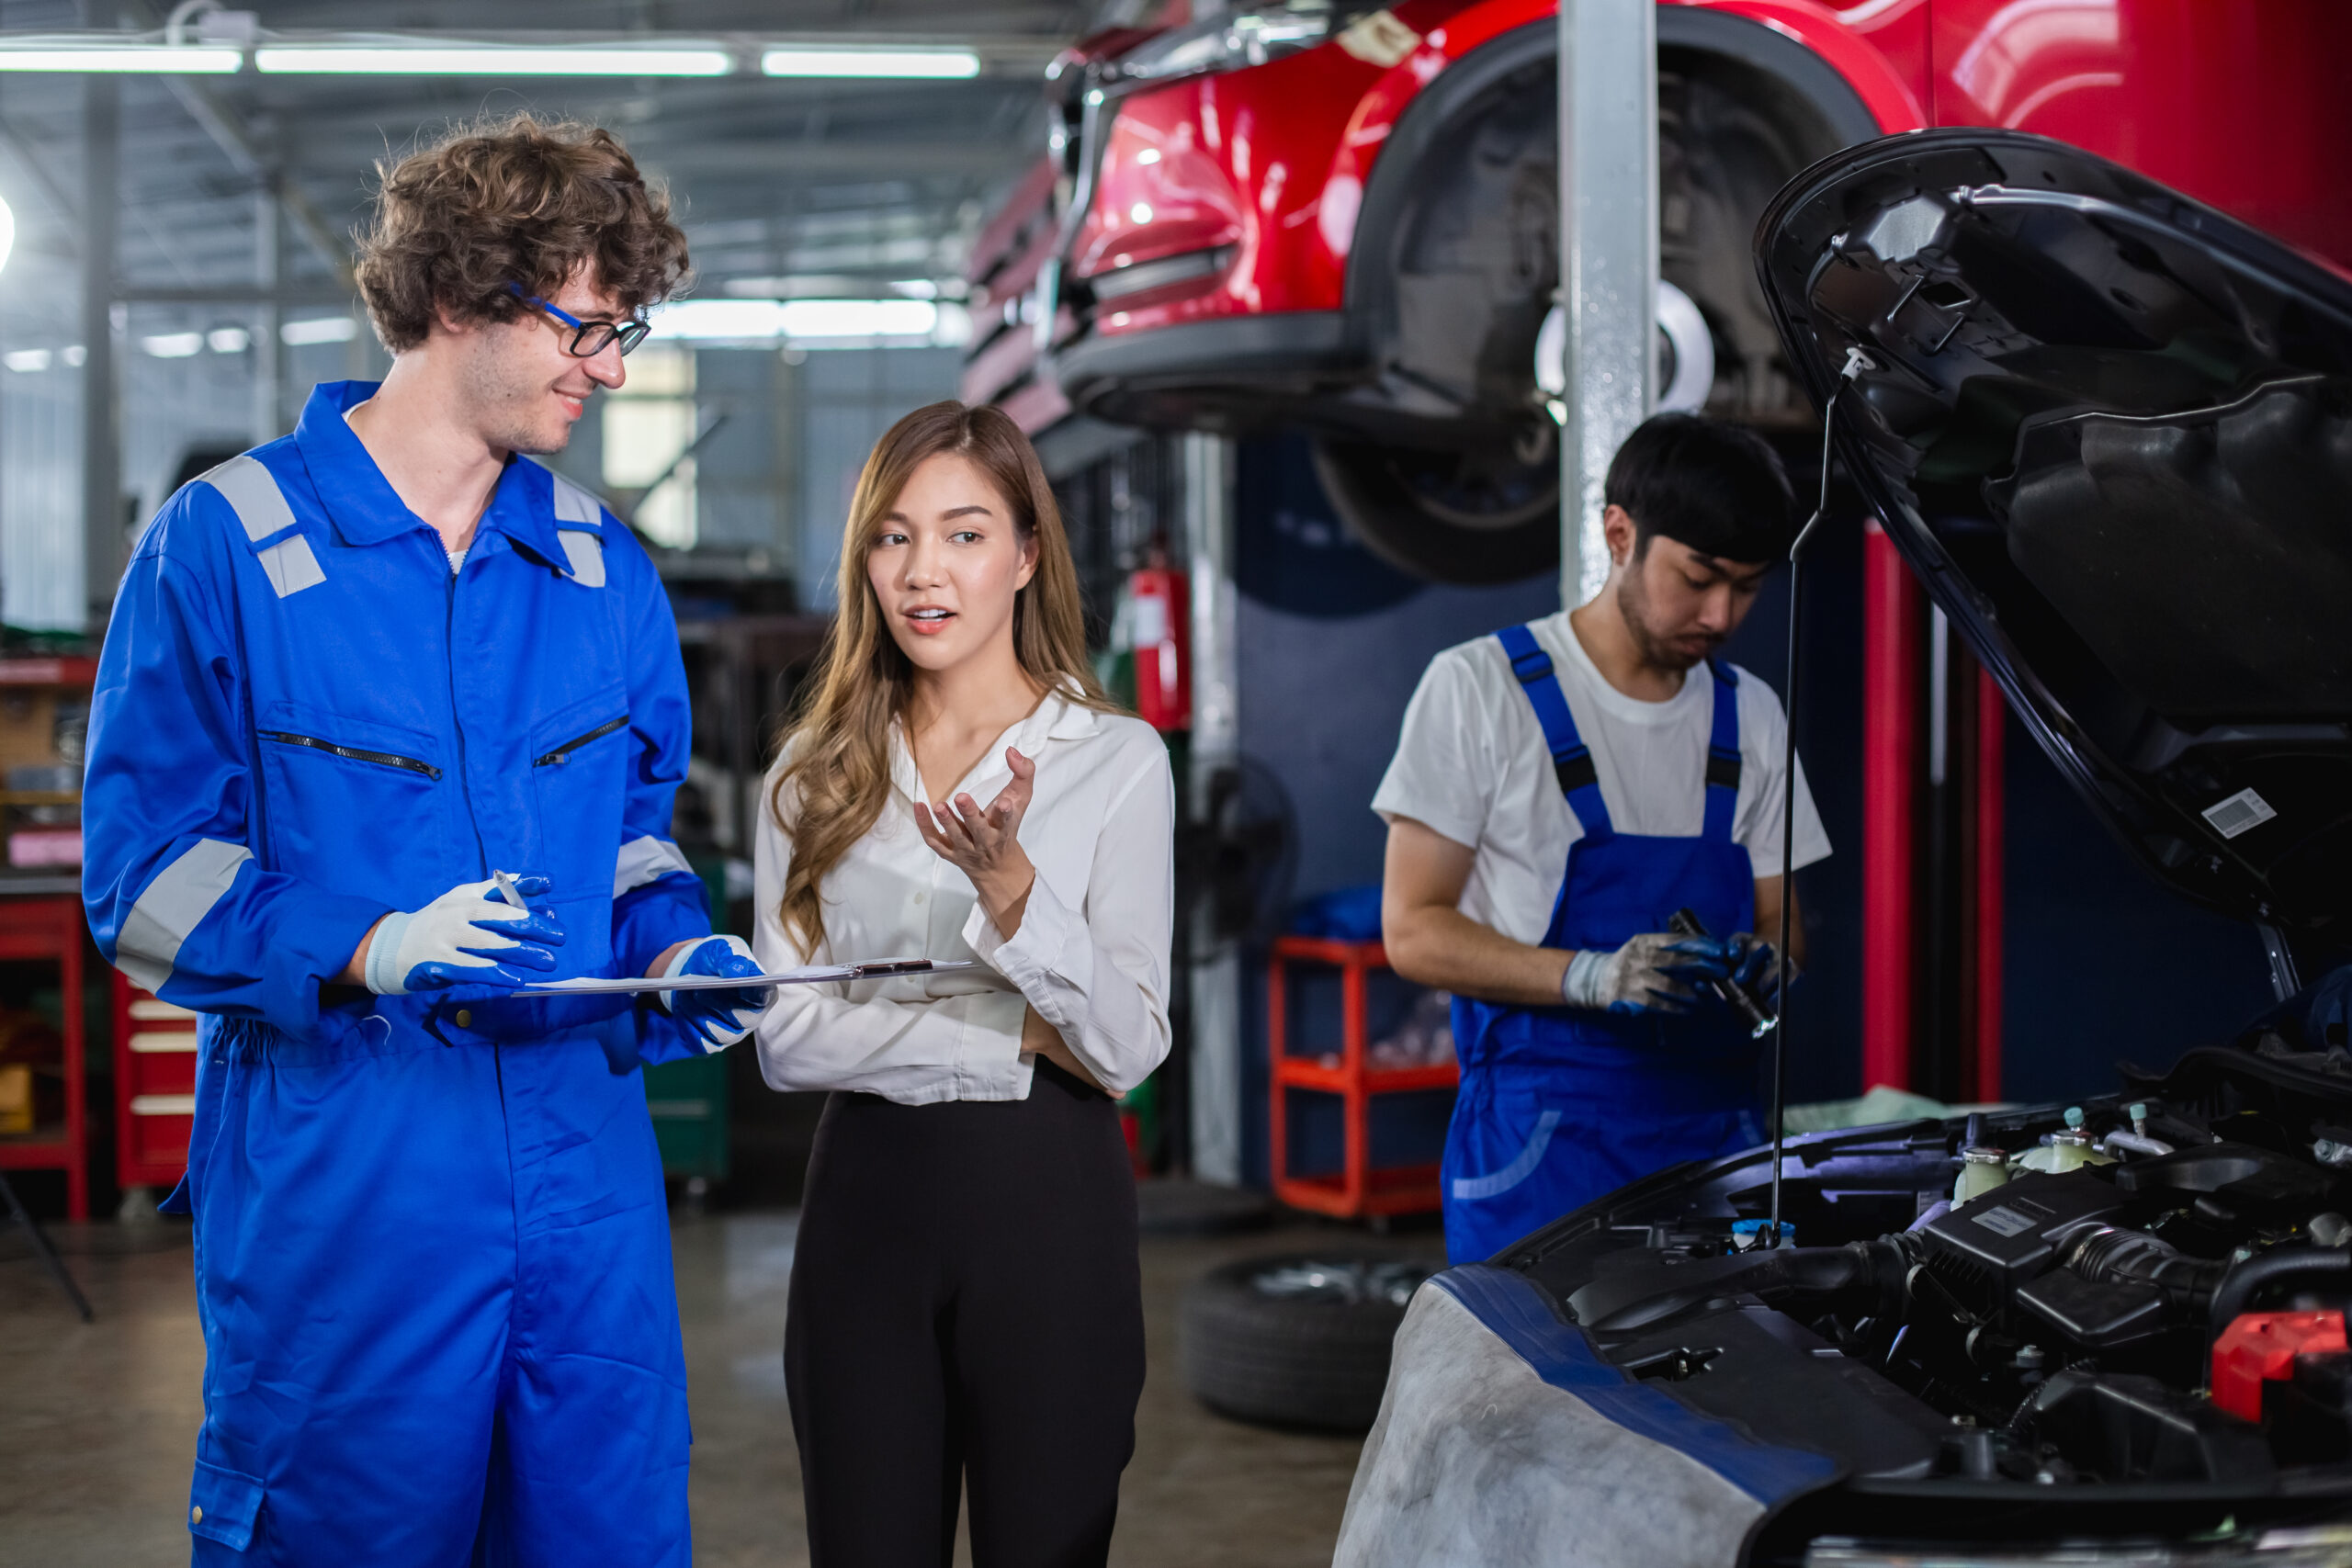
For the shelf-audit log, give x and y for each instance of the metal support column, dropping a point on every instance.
(1609, 260)
(103, 551)
(1215, 980)
(268, 319)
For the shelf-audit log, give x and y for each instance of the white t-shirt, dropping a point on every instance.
(1472, 765)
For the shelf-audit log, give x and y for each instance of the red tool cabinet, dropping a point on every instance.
(1359, 1189)
(54, 928)
(155, 1080)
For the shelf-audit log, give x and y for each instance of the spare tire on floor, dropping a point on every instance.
(1298, 1340)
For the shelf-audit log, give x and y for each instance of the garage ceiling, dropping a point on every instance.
(803, 187)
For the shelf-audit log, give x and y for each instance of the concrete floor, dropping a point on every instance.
(98, 1423)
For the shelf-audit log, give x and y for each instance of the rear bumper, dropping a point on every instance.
(1239, 373)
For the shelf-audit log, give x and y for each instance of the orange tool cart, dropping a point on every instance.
(1359, 1189)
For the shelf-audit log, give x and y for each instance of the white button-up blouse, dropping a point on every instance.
(1090, 955)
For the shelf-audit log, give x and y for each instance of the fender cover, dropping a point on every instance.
(1504, 1437)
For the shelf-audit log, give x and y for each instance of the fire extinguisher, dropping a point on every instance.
(1161, 621)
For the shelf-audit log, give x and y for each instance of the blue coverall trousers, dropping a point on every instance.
(1559, 1106)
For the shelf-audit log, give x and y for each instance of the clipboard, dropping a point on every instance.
(820, 975)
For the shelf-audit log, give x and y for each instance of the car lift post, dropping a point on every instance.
(1216, 1053)
(1609, 260)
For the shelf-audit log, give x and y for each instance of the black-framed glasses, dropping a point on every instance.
(589, 339)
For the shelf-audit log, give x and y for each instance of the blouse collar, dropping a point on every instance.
(1055, 718)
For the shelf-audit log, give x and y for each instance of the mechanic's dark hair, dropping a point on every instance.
(1715, 487)
(512, 199)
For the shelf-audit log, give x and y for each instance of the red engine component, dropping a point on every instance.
(1161, 606)
(2261, 1346)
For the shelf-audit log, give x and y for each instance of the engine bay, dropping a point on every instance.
(2133, 1303)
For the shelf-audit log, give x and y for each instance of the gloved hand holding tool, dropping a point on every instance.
(1757, 968)
(716, 1017)
(1651, 973)
(1754, 976)
(451, 941)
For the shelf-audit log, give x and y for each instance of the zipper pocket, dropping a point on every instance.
(563, 753)
(382, 759)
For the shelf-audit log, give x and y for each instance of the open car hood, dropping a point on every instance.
(2111, 430)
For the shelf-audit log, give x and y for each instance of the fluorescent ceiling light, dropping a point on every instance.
(768, 320)
(173, 345)
(26, 359)
(183, 58)
(925, 62)
(709, 320)
(858, 318)
(228, 340)
(327, 329)
(441, 60)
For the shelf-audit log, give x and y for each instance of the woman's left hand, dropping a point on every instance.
(986, 845)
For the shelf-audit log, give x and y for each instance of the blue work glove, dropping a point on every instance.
(454, 941)
(1756, 966)
(716, 1015)
(1654, 972)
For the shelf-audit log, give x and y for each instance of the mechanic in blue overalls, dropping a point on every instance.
(387, 724)
(1559, 791)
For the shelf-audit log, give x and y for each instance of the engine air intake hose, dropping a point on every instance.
(2116, 1256)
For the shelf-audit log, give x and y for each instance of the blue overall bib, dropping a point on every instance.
(432, 1257)
(1559, 1105)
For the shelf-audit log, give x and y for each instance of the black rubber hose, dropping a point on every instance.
(2136, 1257)
(1643, 1293)
(2239, 1285)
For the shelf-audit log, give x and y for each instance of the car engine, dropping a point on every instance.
(2131, 1308)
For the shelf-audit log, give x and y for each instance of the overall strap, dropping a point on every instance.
(1571, 759)
(1722, 755)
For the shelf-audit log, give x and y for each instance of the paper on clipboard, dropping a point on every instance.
(887, 968)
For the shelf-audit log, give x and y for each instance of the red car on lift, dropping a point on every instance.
(1345, 218)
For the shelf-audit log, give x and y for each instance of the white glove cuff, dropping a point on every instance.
(676, 967)
(1588, 972)
(382, 970)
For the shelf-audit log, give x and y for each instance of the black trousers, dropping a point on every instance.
(966, 1311)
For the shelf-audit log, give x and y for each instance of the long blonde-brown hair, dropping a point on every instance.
(834, 767)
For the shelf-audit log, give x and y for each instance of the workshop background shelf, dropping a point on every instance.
(1359, 1189)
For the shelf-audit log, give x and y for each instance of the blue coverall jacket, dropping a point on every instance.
(432, 1257)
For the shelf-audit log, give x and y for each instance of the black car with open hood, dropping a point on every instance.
(2111, 430)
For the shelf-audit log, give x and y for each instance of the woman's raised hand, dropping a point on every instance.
(986, 845)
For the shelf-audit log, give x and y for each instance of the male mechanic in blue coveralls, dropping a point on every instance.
(388, 723)
(1560, 790)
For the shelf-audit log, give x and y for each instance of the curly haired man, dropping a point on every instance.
(386, 724)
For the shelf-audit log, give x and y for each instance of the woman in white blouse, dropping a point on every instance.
(966, 1311)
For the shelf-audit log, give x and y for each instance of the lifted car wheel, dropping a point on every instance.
(1485, 516)
(1298, 1341)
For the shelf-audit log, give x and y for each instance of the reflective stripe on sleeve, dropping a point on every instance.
(252, 493)
(172, 906)
(643, 860)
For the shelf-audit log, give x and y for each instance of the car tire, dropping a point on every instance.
(1309, 1357)
(1443, 516)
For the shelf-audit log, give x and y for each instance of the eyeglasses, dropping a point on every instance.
(589, 339)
